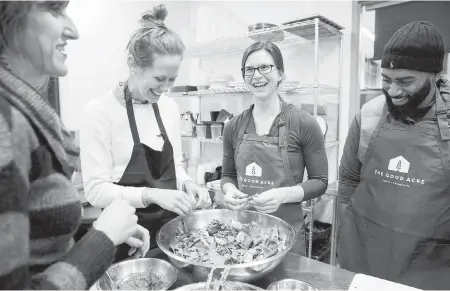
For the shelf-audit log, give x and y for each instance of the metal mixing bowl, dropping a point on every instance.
(228, 286)
(291, 284)
(239, 272)
(122, 270)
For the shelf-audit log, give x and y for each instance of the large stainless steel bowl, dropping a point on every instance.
(122, 270)
(291, 284)
(239, 272)
(229, 285)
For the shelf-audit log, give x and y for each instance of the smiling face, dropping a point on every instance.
(152, 81)
(42, 39)
(263, 86)
(405, 90)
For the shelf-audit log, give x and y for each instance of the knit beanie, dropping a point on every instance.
(417, 46)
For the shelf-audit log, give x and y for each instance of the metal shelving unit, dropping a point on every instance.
(308, 33)
(219, 140)
(284, 89)
(299, 33)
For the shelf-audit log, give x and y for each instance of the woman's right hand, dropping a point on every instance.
(118, 221)
(235, 199)
(172, 200)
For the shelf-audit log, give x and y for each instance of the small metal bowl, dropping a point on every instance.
(291, 284)
(122, 270)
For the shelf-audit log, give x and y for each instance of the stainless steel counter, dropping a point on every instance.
(318, 274)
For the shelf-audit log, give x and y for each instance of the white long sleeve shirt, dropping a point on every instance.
(106, 145)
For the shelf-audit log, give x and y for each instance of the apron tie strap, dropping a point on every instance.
(441, 113)
(282, 142)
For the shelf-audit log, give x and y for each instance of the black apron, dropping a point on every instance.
(152, 169)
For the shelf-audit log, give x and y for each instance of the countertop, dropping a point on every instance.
(318, 274)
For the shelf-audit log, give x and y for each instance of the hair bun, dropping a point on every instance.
(154, 17)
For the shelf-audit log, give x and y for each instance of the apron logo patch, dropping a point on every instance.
(399, 165)
(253, 170)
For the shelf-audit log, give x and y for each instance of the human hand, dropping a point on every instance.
(172, 200)
(118, 221)
(200, 194)
(139, 243)
(235, 199)
(270, 200)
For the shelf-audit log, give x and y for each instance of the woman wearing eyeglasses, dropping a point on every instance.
(268, 146)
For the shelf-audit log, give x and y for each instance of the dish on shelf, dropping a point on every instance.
(272, 36)
(220, 81)
(237, 84)
(307, 30)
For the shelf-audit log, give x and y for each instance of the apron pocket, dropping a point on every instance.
(431, 254)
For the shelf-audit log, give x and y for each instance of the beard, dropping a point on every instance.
(411, 108)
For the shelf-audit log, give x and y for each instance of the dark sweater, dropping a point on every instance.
(39, 207)
(306, 148)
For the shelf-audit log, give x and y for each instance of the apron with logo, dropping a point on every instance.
(262, 164)
(152, 169)
(397, 224)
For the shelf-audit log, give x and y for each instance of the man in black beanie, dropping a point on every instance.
(394, 179)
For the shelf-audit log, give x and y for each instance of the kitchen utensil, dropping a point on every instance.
(229, 285)
(291, 284)
(239, 272)
(122, 270)
(111, 281)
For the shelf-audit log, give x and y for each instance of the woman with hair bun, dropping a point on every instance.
(130, 139)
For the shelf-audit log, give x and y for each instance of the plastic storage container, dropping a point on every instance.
(216, 130)
(201, 130)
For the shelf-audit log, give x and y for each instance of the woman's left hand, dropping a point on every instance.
(198, 193)
(139, 243)
(269, 201)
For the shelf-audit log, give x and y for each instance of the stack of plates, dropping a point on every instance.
(220, 81)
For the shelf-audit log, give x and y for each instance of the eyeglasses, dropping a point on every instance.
(264, 69)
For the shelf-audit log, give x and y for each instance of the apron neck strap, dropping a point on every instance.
(130, 115)
(282, 137)
(162, 129)
(441, 113)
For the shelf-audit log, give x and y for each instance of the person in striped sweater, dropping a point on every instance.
(39, 207)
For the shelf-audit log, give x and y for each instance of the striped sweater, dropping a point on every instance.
(39, 208)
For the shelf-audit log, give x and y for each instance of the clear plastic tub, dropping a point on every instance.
(200, 130)
(216, 131)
